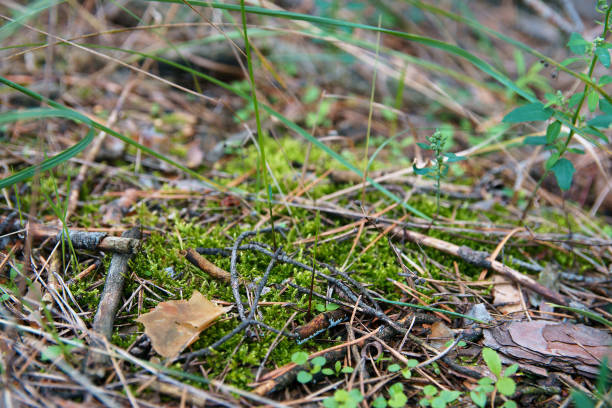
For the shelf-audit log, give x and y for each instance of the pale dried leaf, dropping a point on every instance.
(175, 324)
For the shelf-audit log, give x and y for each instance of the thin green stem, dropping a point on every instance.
(575, 118)
(260, 136)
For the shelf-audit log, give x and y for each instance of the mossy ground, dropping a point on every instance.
(240, 357)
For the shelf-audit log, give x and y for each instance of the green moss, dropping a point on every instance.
(239, 358)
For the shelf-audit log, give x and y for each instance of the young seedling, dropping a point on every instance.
(439, 168)
(503, 383)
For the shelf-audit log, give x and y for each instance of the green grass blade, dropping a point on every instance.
(585, 313)
(431, 309)
(290, 124)
(49, 163)
(101, 127)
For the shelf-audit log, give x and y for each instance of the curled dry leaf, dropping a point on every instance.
(175, 324)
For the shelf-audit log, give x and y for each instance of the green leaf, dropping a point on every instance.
(601, 121)
(304, 377)
(486, 385)
(528, 113)
(338, 366)
(406, 373)
(398, 400)
(554, 157)
(564, 172)
(330, 402)
(396, 388)
(535, 140)
(449, 396)
(575, 150)
(393, 368)
(424, 402)
(429, 390)
(493, 361)
(299, 357)
(510, 371)
(479, 398)
(347, 370)
(509, 404)
(379, 402)
(574, 99)
(318, 361)
(581, 400)
(355, 395)
(605, 80)
(592, 100)
(603, 55)
(506, 386)
(577, 44)
(438, 402)
(327, 371)
(424, 146)
(421, 172)
(412, 363)
(603, 377)
(552, 132)
(605, 106)
(453, 158)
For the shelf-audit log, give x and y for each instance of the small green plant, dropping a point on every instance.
(344, 399)
(503, 383)
(437, 400)
(316, 365)
(566, 110)
(439, 168)
(602, 393)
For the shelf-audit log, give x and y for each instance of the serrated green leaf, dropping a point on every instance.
(577, 44)
(604, 56)
(506, 386)
(552, 132)
(493, 361)
(529, 113)
(564, 172)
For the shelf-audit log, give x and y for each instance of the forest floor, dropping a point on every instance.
(394, 221)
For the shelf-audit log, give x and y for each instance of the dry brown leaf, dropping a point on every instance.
(505, 292)
(175, 324)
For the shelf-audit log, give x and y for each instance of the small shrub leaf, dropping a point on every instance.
(493, 361)
(528, 113)
(299, 357)
(564, 172)
(303, 377)
(506, 386)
